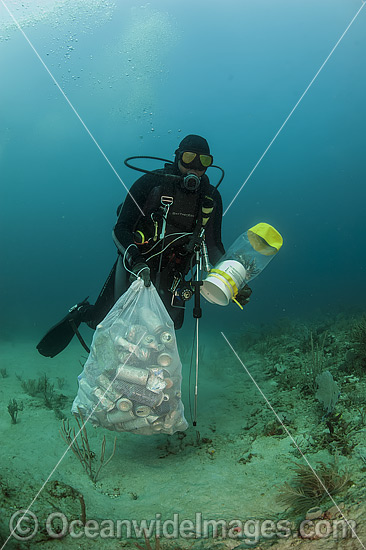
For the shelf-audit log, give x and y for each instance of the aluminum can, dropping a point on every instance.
(142, 410)
(157, 426)
(116, 416)
(83, 384)
(127, 358)
(104, 401)
(132, 374)
(135, 333)
(139, 394)
(150, 341)
(151, 320)
(124, 404)
(108, 387)
(163, 408)
(167, 338)
(164, 359)
(141, 353)
(172, 418)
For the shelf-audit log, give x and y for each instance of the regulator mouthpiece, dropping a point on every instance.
(191, 182)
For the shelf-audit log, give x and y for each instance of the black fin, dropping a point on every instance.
(61, 334)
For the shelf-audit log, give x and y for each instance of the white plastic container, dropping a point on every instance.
(222, 283)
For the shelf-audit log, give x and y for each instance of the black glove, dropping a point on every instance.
(141, 270)
(243, 296)
(194, 241)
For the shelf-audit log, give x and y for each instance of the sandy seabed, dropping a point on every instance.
(231, 467)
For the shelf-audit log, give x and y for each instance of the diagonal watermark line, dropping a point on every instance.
(71, 105)
(83, 422)
(293, 440)
(293, 110)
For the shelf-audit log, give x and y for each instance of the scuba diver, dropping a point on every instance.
(182, 212)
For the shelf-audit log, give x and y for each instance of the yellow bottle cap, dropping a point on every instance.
(265, 239)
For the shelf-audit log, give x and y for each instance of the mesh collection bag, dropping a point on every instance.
(131, 381)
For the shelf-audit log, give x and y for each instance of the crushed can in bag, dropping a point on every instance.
(131, 381)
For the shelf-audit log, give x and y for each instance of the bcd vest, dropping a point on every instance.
(184, 212)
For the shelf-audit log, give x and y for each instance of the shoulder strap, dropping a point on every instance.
(207, 206)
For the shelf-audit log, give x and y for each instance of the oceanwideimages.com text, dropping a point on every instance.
(24, 525)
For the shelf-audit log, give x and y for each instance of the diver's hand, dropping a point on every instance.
(243, 295)
(194, 243)
(141, 270)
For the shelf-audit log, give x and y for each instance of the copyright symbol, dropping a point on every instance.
(23, 525)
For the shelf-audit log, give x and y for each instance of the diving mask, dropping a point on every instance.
(195, 160)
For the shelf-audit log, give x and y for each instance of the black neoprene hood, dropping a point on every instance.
(195, 144)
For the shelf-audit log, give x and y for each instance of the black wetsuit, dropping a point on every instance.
(183, 219)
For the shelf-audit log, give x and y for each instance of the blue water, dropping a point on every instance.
(141, 77)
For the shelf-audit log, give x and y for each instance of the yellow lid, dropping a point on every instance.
(265, 239)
